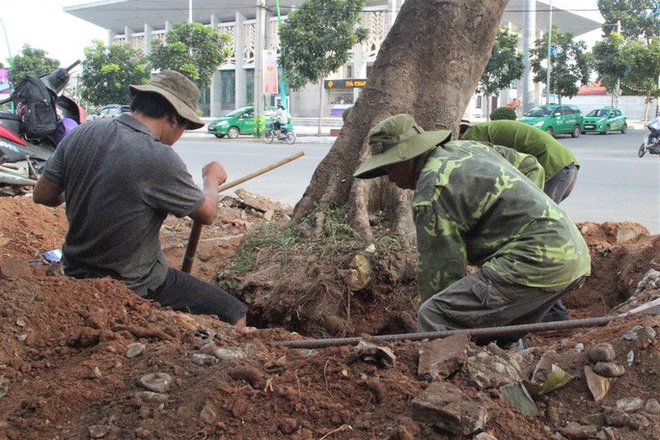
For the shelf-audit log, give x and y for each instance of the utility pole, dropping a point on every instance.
(190, 18)
(258, 69)
(617, 89)
(547, 81)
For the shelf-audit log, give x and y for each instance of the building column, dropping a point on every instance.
(529, 31)
(392, 12)
(359, 67)
(260, 46)
(215, 91)
(146, 46)
(240, 92)
(128, 34)
(111, 37)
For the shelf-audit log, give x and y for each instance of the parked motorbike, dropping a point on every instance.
(23, 157)
(649, 147)
(284, 135)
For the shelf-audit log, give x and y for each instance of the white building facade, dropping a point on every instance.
(253, 28)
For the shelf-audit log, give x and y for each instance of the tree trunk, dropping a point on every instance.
(428, 66)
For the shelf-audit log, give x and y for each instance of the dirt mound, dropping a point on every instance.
(84, 359)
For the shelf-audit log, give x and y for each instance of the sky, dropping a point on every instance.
(44, 25)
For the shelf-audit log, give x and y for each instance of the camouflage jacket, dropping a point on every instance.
(472, 207)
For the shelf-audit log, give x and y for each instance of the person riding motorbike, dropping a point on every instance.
(654, 128)
(282, 120)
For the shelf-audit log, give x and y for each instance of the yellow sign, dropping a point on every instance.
(344, 83)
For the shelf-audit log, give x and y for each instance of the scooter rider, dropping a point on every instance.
(282, 120)
(654, 127)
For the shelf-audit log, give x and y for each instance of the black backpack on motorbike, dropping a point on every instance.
(35, 104)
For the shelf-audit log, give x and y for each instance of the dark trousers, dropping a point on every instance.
(186, 293)
(485, 299)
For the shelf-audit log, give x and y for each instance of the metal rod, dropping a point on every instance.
(652, 307)
(196, 230)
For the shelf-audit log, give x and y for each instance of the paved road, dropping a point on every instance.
(613, 183)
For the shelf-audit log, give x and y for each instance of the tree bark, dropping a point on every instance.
(428, 66)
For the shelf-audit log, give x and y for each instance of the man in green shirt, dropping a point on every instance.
(473, 206)
(558, 162)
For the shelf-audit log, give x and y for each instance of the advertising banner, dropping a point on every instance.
(270, 71)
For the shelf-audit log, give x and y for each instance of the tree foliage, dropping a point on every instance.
(317, 39)
(108, 71)
(505, 64)
(31, 62)
(192, 49)
(636, 17)
(644, 62)
(569, 63)
(609, 60)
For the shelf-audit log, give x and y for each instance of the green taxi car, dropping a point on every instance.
(604, 120)
(556, 119)
(240, 121)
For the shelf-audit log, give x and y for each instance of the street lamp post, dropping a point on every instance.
(547, 81)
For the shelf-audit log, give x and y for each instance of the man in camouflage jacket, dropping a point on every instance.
(474, 205)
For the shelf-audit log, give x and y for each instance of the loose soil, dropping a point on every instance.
(75, 354)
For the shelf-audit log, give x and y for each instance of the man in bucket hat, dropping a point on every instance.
(120, 179)
(475, 205)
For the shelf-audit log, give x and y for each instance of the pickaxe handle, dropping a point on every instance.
(196, 230)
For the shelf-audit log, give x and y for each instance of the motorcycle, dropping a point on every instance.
(649, 147)
(22, 157)
(285, 135)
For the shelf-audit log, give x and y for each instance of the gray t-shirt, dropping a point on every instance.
(119, 183)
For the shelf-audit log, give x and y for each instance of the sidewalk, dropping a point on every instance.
(306, 130)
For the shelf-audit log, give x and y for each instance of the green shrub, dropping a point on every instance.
(503, 113)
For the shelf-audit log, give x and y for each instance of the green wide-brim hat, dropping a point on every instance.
(179, 91)
(397, 139)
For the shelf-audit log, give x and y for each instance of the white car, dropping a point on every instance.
(110, 111)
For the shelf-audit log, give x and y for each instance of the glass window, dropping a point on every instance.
(227, 84)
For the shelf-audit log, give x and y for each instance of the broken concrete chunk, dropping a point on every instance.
(609, 369)
(208, 414)
(98, 431)
(576, 431)
(445, 406)
(634, 333)
(204, 359)
(134, 350)
(603, 352)
(652, 406)
(373, 353)
(630, 404)
(156, 382)
(145, 397)
(488, 370)
(442, 357)
(484, 436)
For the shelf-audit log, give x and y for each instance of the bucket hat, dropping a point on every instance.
(179, 91)
(397, 139)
